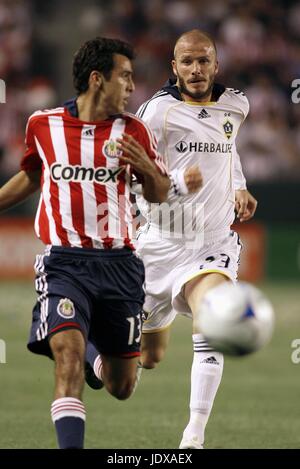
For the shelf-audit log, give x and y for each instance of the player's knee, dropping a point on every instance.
(122, 391)
(149, 364)
(150, 359)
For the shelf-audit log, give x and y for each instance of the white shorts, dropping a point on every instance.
(170, 265)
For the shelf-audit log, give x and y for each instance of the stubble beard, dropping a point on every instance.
(196, 94)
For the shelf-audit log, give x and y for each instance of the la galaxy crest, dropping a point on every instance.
(227, 126)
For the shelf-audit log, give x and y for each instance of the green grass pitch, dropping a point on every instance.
(257, 405)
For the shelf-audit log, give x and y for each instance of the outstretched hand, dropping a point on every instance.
(245, 205)
(133, 153)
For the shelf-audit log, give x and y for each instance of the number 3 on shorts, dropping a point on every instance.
(132, 322)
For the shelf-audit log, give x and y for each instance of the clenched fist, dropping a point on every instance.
(193, 179)
(245, 205)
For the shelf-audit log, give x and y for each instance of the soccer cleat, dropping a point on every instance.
(91, 379)
(190, 442)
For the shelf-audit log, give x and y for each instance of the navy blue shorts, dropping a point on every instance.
(99, 292)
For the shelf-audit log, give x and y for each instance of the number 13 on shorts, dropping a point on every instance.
(135, 326)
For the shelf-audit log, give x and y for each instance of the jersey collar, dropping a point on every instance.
(71, 106)
(172, 89)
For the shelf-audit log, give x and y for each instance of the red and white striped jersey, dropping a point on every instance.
(85, 192)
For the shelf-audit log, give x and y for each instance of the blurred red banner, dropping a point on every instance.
(19, 246)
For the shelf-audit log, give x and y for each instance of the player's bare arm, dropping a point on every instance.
(18, 188)
(155, 185)
(245, 205)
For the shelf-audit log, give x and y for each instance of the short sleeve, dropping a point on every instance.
(238, 175)
(31, 160)
(148, 141)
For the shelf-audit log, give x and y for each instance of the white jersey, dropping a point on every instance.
(200, 134)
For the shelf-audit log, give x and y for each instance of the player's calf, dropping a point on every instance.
(67, 410)
(68, 352)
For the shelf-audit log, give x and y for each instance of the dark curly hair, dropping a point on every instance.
(97, 54)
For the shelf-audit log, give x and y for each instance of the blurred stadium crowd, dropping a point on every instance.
(258, 45)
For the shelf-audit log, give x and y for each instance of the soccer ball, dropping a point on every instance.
(236, 319)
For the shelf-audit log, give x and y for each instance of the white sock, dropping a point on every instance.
(206, 376)
(139, 370)
(98, 367)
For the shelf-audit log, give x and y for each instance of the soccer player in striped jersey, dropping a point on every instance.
(89, 281)
(195, 122)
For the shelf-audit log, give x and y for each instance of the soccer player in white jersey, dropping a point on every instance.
(89, 281)
(195, 122)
